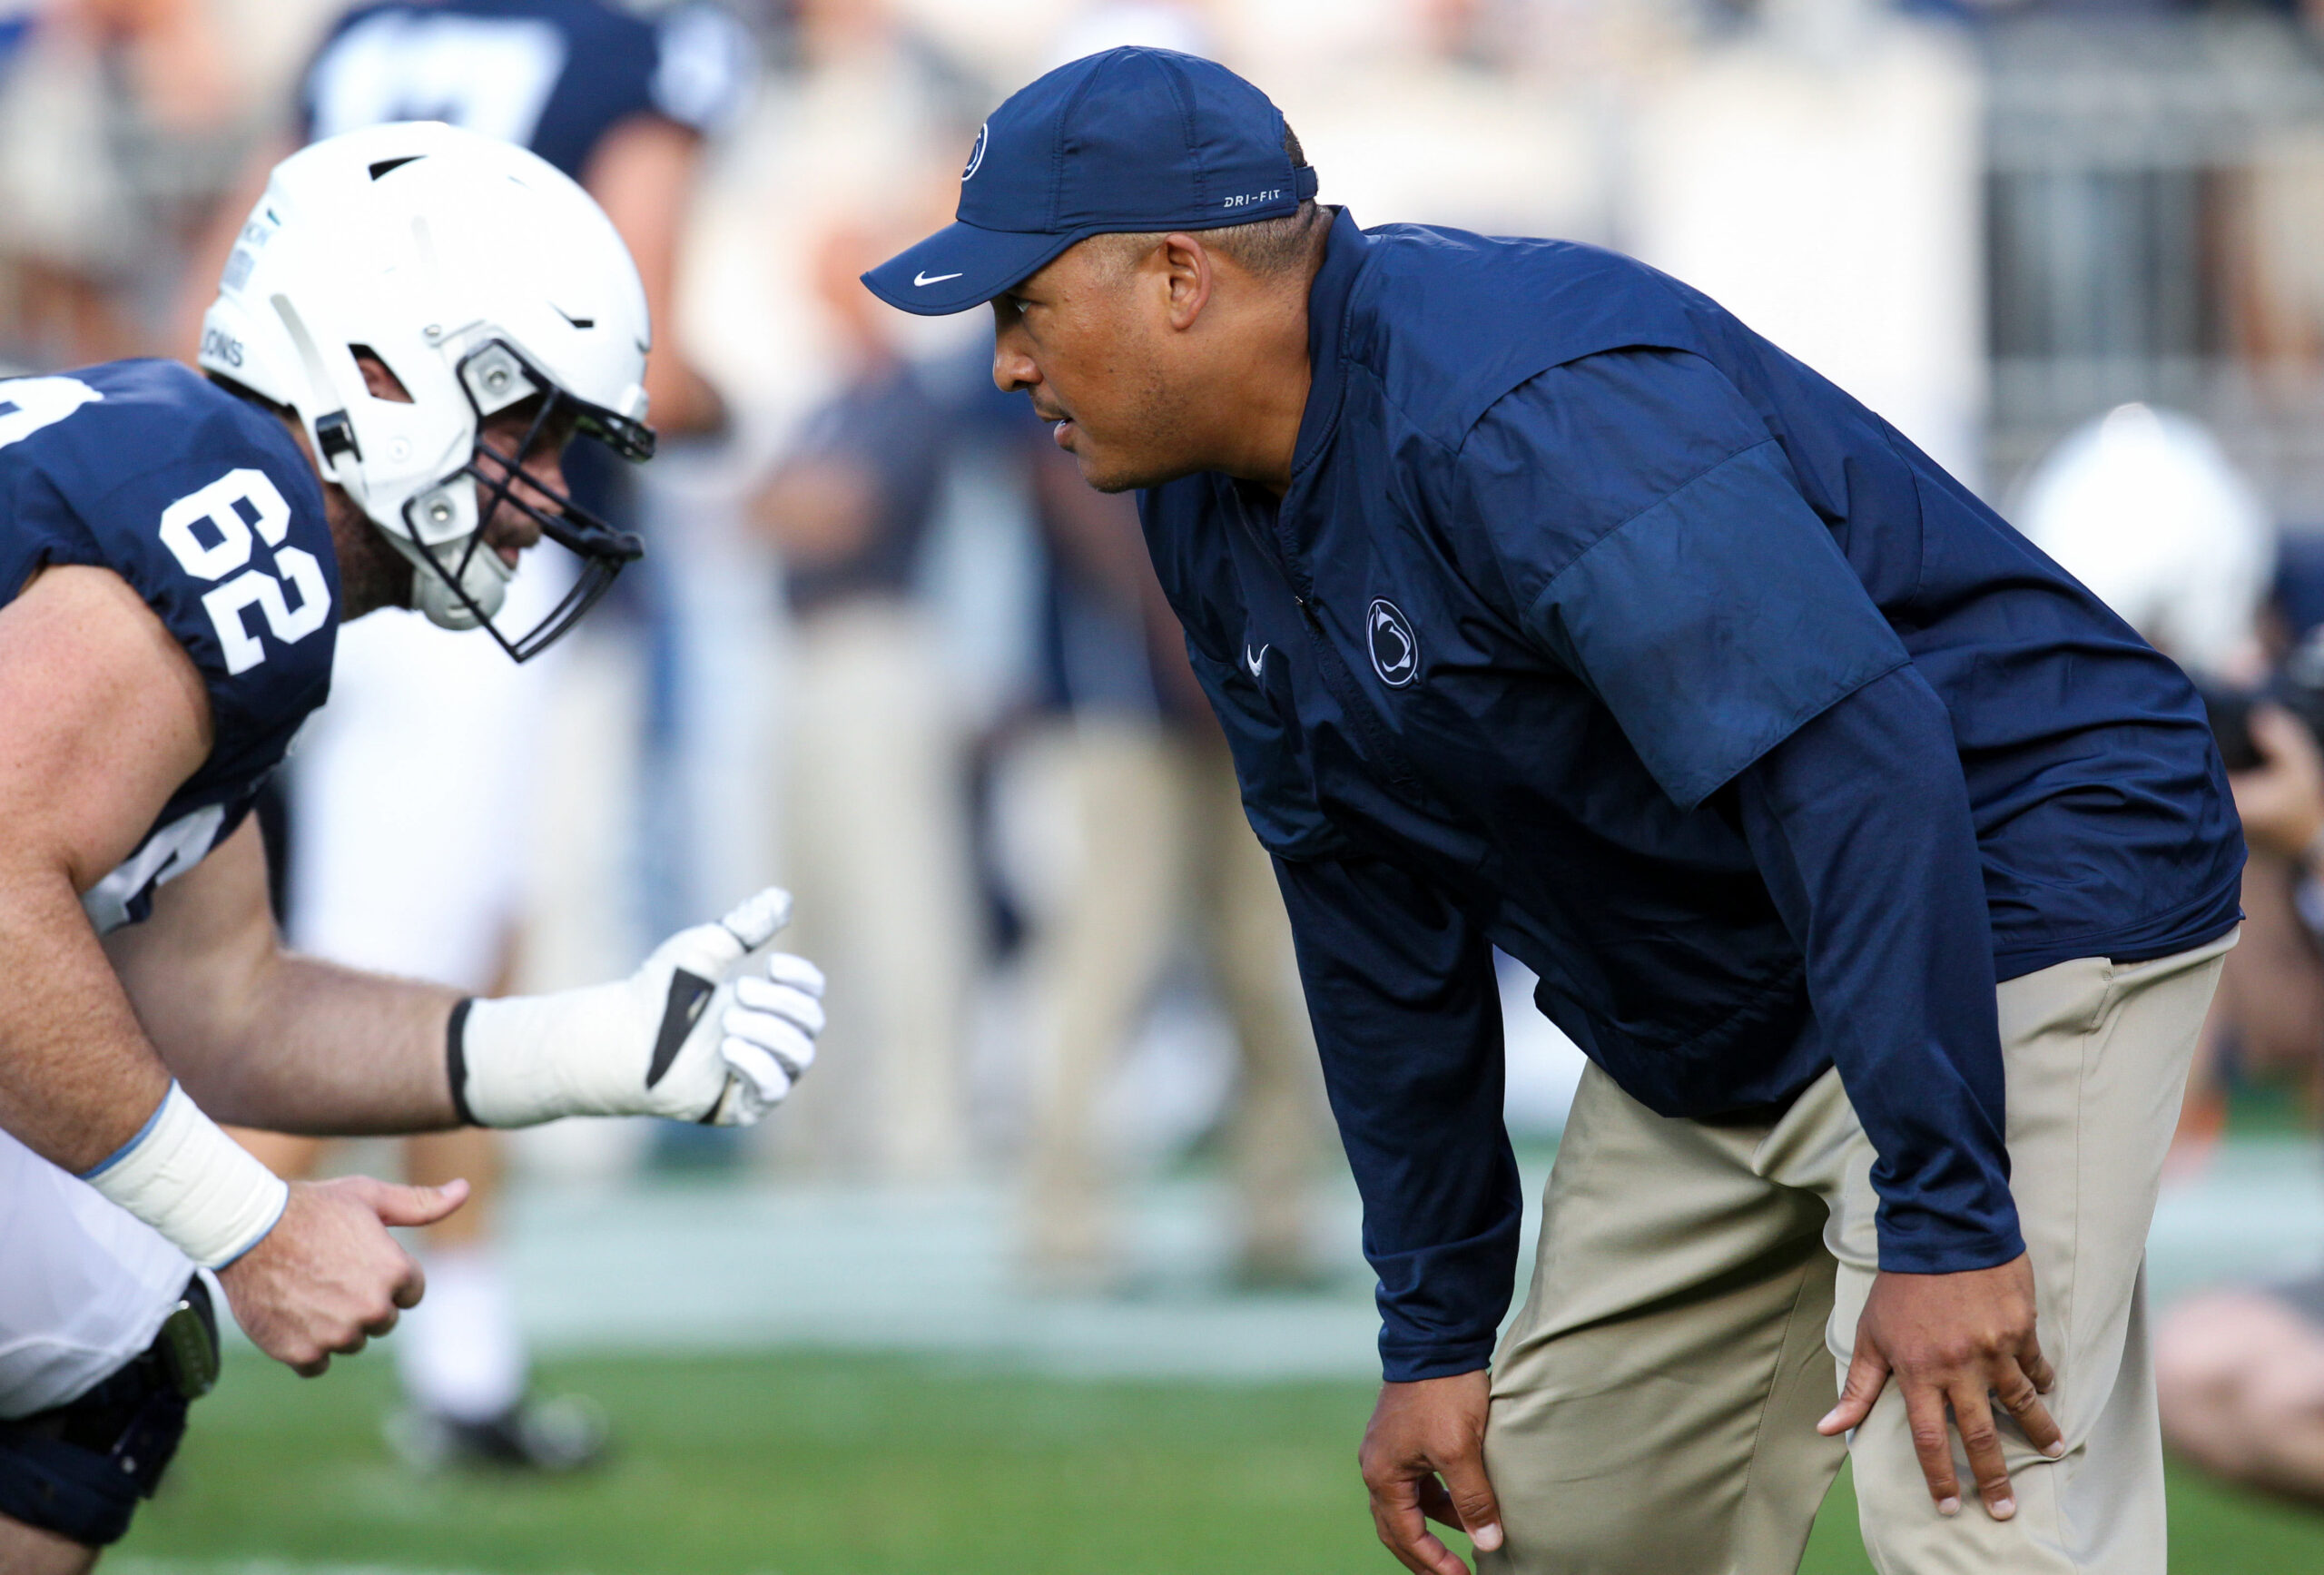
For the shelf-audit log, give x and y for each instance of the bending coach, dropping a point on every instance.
(1882, 873)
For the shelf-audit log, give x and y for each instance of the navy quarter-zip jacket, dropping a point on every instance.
(1594, 626)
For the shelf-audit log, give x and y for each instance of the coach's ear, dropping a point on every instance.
(1187, 265)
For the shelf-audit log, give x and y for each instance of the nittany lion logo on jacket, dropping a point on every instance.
(1395, 649)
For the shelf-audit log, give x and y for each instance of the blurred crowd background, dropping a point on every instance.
(889, 652)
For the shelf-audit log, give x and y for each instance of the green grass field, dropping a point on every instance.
(826, 1465)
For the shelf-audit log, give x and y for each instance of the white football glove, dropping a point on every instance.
(679, 1038)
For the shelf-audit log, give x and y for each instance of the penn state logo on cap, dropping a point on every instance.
(1395, 649)
(976, 150)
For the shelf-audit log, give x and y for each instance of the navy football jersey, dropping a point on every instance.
(551, 75)
(206, 505)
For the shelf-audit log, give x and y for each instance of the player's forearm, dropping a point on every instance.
(261, 1036)
(77, 1077)
(324, 1051)
(80, 1086)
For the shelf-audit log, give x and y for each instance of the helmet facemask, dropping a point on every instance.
(459, 580)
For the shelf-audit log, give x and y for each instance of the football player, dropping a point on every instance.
(415, 321)
(382, 870)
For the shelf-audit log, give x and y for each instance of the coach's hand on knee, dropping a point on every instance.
(1964, 1341)
(1423, 1459)
(328, 1277)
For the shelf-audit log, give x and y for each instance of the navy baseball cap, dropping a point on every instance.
(1132, 140)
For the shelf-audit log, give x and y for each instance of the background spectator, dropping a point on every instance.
(879, 854)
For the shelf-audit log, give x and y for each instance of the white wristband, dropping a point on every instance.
(529, 1059)
(204, 1192)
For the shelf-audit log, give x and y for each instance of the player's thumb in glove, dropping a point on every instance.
(697, 1033)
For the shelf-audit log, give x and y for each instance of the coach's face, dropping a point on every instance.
(1096, 338)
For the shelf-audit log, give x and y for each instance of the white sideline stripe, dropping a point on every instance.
(261, 1567)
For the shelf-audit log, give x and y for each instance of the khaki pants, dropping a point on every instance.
(1655, 1402)
(878, 859)
(1163, 838)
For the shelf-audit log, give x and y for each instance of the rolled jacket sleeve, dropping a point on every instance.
(1407, 1016)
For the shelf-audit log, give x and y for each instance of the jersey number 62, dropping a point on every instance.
(219, 507)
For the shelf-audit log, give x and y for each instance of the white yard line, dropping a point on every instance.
(135, 1566)
(140, 1565)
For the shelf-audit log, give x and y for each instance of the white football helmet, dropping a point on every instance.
(481, 277)
(2144, 506)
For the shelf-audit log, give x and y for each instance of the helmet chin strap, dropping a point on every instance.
(483, 577)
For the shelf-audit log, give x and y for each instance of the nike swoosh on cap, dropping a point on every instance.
(924, 280)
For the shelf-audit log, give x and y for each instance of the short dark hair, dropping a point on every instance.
(1266, 248)
(251, 395)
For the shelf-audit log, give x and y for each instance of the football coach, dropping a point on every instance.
(1882, 873)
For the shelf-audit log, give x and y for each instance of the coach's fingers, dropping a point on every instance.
(1867, 1374)
(1420, 1431)
(1436, 1503)
(1472, 1498)
(2019, 1396)
(2037, 1367)
(1973, 1414)
(1932, 1442)
(1397, 1517)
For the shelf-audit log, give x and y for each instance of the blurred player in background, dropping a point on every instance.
(2240, 1369)
(400, 854)
(1162, 850)
(873, 806)
(412, 324)
(2142, 506)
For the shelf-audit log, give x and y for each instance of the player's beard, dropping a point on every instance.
(371, 573)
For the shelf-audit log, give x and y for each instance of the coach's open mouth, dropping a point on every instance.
(1060, 424)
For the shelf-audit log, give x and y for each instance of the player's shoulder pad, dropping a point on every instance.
(1451, 321)
(204, 502)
